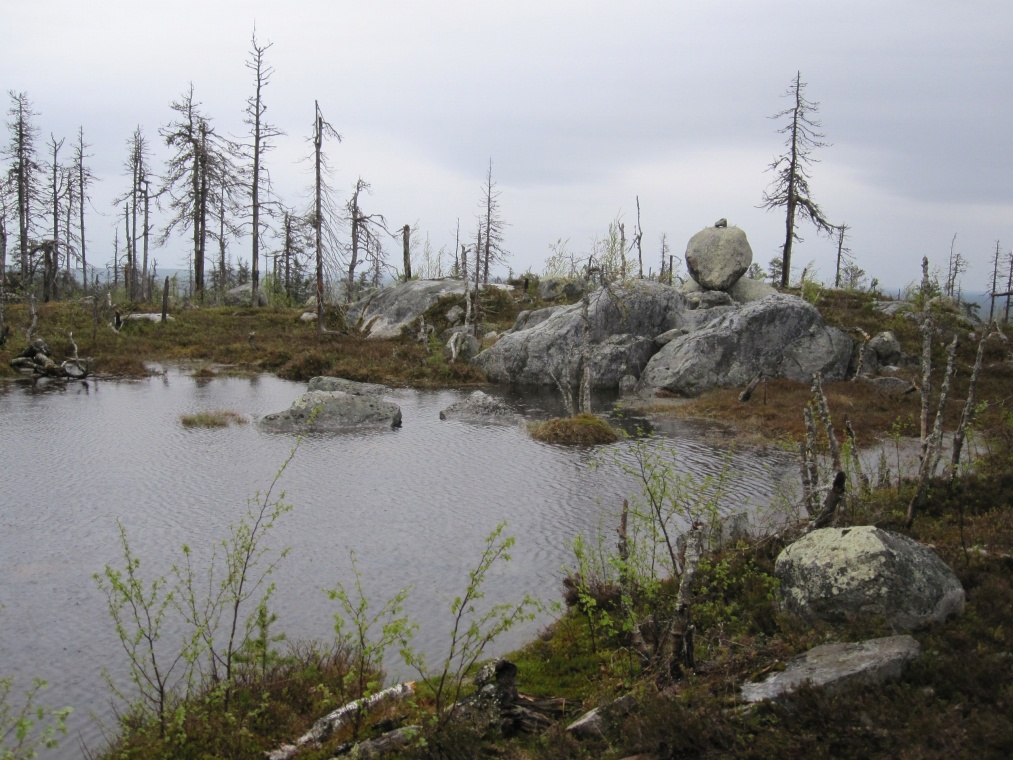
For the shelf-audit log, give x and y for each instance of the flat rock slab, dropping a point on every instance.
(833, 666)
(333, 411)
(330, 384)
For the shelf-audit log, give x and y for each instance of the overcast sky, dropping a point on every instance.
(581, 106)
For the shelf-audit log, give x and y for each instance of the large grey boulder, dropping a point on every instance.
(834, 666)
(623, 322)
(781, 336)
(242, 295)
(717, 257)
(837, 574)
(333, 411)
(385, 313)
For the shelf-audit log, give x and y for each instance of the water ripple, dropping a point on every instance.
(415, 505)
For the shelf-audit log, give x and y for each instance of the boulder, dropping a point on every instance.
(556, 288)
(717, 257)
(623, 322)
(834, 666)
(455, 314)
(479, 407)
(781, 336)
(837, 574)
(242, 295)
(385, 313)
(464, 348)
(883, 350)
(330, 384)
(332, 411)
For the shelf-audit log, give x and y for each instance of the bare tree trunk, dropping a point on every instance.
(406, 232)
(622, 250)
(145, 290)
(995, 275)
(931, 447)
(165, 300)
(318, 217)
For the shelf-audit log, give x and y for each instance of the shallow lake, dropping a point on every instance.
(415, 504)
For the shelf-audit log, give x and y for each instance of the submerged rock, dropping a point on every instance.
(479, 407)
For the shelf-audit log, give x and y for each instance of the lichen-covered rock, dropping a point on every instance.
(333, 411)
(837, 574)
(834, 666)
(717, 257)
(780, 336)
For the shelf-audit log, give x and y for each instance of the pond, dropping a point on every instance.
(415, 505)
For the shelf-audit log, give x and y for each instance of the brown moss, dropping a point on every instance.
(584, 429)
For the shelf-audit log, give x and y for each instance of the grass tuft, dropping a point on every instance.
(213, 419)
(582, 430)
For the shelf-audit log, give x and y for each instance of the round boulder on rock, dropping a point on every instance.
(838, 574)
(717, 257)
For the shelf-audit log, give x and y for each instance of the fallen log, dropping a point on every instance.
(340, 718)
(37, 360)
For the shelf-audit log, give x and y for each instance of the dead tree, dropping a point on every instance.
(261, 134)
(790, 187)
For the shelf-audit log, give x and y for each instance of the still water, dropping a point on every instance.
(414, 504)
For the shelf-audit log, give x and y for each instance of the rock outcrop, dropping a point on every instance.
(781, 336)
(623, 323)
(745, 290)
(333, 411)
(837, 574)
(242, 295)
(385, 313)
(717, 257)
(834, 666)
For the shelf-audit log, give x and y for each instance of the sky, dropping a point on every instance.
(582, 107)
